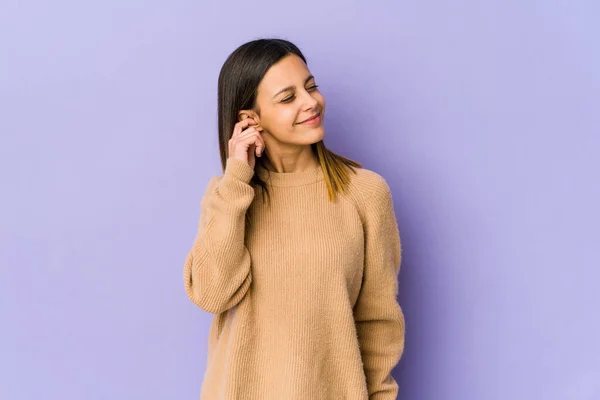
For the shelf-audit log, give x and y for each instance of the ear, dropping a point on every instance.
(243, 114)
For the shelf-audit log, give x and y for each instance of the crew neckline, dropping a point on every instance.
(288, 179)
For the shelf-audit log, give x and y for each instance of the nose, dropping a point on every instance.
(309, 101)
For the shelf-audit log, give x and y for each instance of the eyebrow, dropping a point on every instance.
(293, 86)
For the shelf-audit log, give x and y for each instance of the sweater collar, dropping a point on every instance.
(287, 179)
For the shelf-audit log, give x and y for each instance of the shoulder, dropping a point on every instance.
(372, 198)
(214, 180)
(368, 187)
(236, 171)
(211, 185)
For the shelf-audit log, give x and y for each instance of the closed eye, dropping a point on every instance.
(289, 99)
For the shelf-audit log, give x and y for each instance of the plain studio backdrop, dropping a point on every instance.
(483, 116)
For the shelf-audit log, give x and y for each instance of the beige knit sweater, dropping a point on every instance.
(304, 298)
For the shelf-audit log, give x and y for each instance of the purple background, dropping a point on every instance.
(482, 115)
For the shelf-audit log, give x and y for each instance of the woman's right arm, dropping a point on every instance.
(217, 269)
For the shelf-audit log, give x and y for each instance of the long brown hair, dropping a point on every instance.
(239, 78)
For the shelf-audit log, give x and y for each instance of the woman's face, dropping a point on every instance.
(287, 96)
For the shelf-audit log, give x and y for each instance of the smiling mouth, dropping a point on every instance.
(311, 118)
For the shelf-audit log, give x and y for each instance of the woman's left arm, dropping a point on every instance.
(378, 316)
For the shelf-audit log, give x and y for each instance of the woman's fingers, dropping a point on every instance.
(241, 125)
(252, 136)
(246, 139)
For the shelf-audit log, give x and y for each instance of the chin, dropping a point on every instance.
(315, 135)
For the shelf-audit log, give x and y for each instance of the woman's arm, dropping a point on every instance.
(217, 269)
(379, 318)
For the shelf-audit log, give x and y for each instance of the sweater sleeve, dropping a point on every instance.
(378, 316)
(217, 268)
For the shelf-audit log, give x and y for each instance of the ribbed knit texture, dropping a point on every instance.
(305, 297)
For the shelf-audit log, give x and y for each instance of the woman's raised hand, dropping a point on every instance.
(246, 141)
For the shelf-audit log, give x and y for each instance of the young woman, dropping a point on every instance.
(298, 249)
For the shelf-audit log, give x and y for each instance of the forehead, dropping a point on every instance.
(290, 70)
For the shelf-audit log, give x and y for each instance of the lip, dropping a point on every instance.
(312, 120)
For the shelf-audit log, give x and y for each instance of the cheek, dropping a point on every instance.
(285, 119)
(319, 97)
(278, 122)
